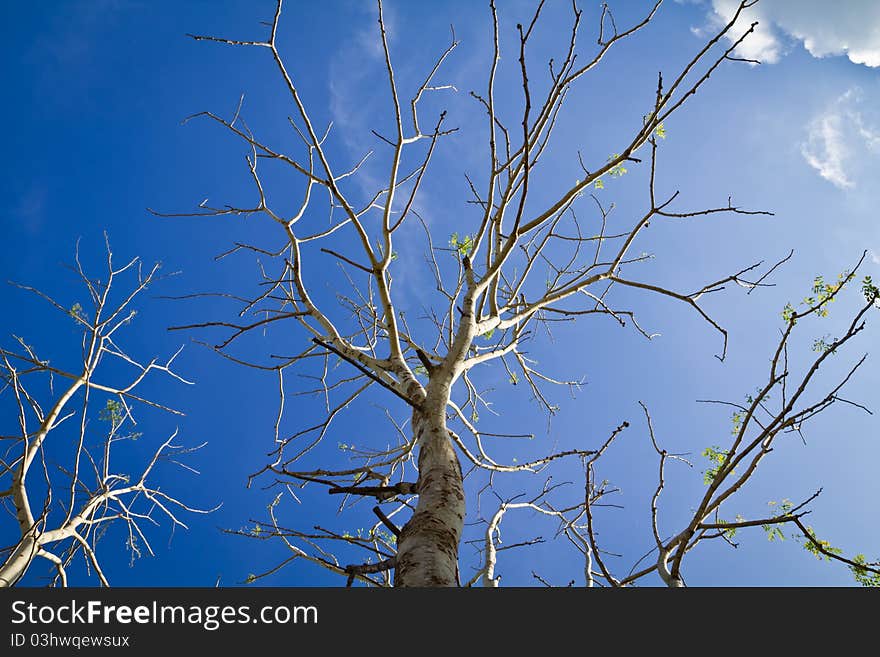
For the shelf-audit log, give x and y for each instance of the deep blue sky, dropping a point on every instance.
(94, 94)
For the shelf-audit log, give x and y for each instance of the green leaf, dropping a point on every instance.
(864, 576)
(774, 532)
(814, 549)
(463, 244)
(716, 457)
(781, 510)
(871, 292)
(112, 413)
(730, 532)
(618, 169)
(737, 423)
(821, 345)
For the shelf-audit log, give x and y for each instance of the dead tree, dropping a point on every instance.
(64, 483)
(523, 265)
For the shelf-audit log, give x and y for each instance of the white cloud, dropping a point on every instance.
(824, 27)
(762, 44)
(840, 138)
(826, 151)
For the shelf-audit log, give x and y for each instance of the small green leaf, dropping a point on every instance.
(737, 423)
(774, 532)
(864, 576)
(817, 550)
(716, 457)
(112, 413)
(871, 292)
(618, 169)
(462, 244)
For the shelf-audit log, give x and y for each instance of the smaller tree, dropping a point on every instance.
(64, 481)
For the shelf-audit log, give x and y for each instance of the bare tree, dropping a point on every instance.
(524, 265)
(66, 482)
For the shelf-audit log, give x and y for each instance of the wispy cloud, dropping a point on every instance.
(360, 102)
(843, 28)
(825, 149)
(839, 138)
(358, 95)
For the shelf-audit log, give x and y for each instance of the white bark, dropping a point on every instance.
(14, 568)
(428, 544)
(17, 564)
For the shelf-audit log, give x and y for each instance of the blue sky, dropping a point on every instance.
(95, 94)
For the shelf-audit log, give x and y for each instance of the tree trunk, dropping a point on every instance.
(14, 568)
(427, 552)
(17, 564)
